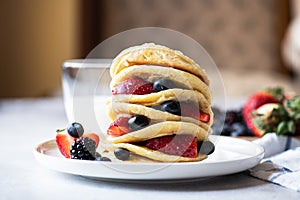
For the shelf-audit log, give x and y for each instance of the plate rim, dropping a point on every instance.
(44, 158)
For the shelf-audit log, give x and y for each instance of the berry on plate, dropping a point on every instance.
(206, 147)
(83, 149)
(75, 130)
(122, 153)
(64, 141)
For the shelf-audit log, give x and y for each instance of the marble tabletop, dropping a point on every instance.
(26, 122)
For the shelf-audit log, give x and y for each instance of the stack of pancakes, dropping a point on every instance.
(151, 62)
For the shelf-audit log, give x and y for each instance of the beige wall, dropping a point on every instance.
(236, 33)
(35, 37)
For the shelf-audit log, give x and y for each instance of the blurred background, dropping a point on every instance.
(255, 43)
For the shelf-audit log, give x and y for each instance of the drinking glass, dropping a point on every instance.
(85, 86)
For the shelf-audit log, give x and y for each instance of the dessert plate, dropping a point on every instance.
(231, 155)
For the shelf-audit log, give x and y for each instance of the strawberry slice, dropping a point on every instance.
(204, 117)
(179, 145)
(118, 127)
(93, 136)
(133, 86)
(189, 110)
(64, 142)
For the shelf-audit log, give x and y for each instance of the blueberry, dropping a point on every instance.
(206, 147)
(238, 129)
(137, 122)
(103, 159)
(227, 129)
(75, 130)
(98, 155)
(171, 107)
(163, 84)
(122, 153)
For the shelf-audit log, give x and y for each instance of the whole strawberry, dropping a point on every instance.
(281, 119)
(257, 99)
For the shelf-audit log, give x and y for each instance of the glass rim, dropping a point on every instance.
(87, 63)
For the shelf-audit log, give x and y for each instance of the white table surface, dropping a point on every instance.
(25, 123)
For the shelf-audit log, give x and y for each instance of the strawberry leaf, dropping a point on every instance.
(277, 92)
(60, 130)
(291, 126)
(282, 128)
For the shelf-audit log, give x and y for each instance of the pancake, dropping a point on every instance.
(153, 99)
(156, 155)
(116, 110)
(152, 73)
(153, 54)
(140, 68)
(162, 129)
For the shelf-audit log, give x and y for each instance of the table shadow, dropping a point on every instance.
(227, 182)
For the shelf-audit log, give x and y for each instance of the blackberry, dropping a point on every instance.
(233, 116)
(234, 123)
(83, 149)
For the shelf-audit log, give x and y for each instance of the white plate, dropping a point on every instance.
(231, 156)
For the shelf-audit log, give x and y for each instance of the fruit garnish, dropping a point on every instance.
(118, 127)
(256, 100)
(122, 153)
(163, 84)
(64, 142)
(83, 149)
(133, 86)
(98, 157)
(171, 107)
(75, 130)
(204, 117)
(93, 136)
(104, 159)
(206, 147)
(184, 109)
(137, 122)
(191, 110)
(180, 145)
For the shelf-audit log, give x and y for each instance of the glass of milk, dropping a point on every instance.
(86, 90)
